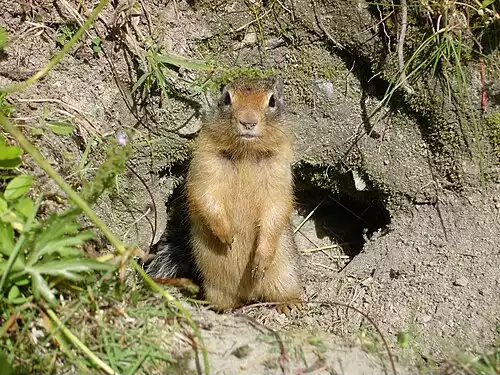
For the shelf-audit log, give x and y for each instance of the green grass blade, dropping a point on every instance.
(181, 62)
(63, 246)
(140, 81)
(68, 268)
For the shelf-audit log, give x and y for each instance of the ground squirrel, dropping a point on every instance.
(240, 199)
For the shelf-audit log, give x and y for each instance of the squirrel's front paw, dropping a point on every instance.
(261, 262)
(223, 232)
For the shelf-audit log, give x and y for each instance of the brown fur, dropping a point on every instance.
(240, 199)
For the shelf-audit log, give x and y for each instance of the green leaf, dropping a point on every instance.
(69, 269)
(41, 288)
(18, 186)
(19, 300)
(21, 282)
(13, 293)
(10, 156)
(13, 219)
(3, 206)
(9, 152)
(5, 367)
(403, 339)
(3, 38)
(17, 266)
(61, 127)
(6, 239)
(57, 227)
(96, 45)
(487, 3)
(25, 206)
(140, 81)
(65, 245)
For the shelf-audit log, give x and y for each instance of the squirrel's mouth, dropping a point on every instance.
(247, 136)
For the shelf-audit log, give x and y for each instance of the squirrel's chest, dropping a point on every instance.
(251, 178)
(247, 187)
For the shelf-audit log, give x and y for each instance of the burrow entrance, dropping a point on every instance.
(339, 219)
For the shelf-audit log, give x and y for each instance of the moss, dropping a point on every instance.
(494, 132)
(306, 64)
(321, 176)
(227, 74)
(162, 153)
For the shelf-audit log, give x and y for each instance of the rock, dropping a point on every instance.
(325, 87)
(461, 281)
(424, 319)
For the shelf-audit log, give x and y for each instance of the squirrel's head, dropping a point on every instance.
(249, 115)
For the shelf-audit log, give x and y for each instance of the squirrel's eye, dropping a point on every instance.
(226, 99)
(272, 101)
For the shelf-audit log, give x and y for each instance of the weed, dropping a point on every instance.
(96, 45)
(451, 33)
(63, 126)
(37, 255)
(494, 126)
(64, 33)
(123, 333)
(160, 69)
(404, 339)
(114, 164)
(451, 26)
(5, 108)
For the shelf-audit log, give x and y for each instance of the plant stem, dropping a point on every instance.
(76, 341)
(35, 77)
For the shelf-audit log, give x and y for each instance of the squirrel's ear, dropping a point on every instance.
(278, 89)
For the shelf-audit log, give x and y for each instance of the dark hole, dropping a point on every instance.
(342, 218)
(272, 102)
(226, 98)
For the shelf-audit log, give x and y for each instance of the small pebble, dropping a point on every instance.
(424, 319)
(461, 281)
(325, 87)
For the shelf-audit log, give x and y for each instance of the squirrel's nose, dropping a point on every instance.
(248, 124)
